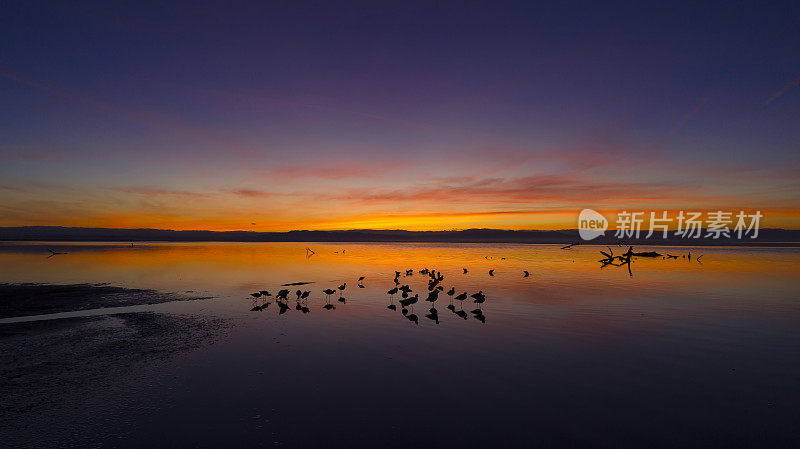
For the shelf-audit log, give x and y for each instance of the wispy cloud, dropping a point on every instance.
(691, 113)
(783, 90)
(339, 170)
(154, 192)
(11, 188)
(249, 193)
(530, 189)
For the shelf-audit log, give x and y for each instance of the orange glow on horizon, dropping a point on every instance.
(510, 220)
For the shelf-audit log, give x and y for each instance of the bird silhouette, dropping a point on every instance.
(411, 317)
(361, 278)
(256, 295)
(433, 296)
(491, 272)
(451, 292)
(328, 291)
(392, 291)
(282, 294)
(479, 297)
(283, 307)
(433, 315)
(299, 294)
(261, 307)
(342, 287)
(462, 296)
(264, 293)
(465, 271)
(526, 273)
(305, 294)
(410, 301)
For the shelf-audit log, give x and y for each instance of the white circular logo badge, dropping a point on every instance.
(591, 224)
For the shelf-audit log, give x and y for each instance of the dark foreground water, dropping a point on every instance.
(680, 354)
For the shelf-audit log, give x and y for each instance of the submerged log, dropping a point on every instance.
(648, 254)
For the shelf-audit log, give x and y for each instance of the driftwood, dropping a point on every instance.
(648, 254)
(625, 259)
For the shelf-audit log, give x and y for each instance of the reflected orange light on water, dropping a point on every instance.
(234, 268)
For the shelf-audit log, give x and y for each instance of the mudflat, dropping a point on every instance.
(48, 368)
(36, 299)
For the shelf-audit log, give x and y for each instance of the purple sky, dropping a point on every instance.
(421, 116)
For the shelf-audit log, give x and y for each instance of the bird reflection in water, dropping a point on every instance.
(262, 298)
(410, 316)
(433, 315)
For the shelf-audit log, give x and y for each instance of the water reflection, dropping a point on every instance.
(262, 298)
(620, 361)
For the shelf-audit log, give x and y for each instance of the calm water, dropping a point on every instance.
(679, 354)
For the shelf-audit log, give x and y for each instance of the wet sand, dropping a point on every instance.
(51, 370)
(35, 299)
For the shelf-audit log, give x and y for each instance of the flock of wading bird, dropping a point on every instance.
(407, 301)
(434, 280)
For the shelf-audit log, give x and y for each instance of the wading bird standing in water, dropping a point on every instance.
(480, 298)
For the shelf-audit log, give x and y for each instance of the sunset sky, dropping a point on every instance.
(421, 115)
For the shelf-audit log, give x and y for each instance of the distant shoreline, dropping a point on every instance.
(767, 237)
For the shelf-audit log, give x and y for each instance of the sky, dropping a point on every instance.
(274, 116)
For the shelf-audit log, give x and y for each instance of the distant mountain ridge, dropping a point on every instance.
(770, 237)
